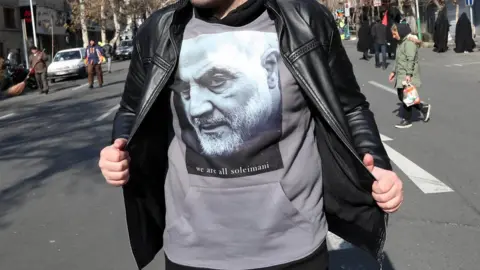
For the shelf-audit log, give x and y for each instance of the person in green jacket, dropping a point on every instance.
(407, 69)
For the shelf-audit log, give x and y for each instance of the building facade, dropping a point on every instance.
(10, 27)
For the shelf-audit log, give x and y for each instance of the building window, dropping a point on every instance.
(9, 18)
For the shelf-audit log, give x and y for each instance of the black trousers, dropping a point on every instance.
(318, 260)
(407, 111)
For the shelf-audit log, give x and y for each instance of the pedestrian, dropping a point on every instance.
(38, 63)
(464, 42)
(407, 69)
(364, 39)
(379, 33)
(393, 17)
(94, 63)
(440, 34)
(107, 49)
(236, 145)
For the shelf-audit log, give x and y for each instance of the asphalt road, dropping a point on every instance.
(56, 212)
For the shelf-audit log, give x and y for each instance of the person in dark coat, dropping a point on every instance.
(393, 17)
(463, 35)
(379, 34)
(364, 39)
(440, 34)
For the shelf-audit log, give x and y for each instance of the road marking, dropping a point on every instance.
(422, 179)
(335, 242)
(105, 115)
(463, 64)
(7, 116)
(384, 87)
(79, 87)
(385, 138)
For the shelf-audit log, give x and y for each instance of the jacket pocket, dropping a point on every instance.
(251, 221)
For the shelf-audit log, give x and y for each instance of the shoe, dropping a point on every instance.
(91, 86)
(100, 85)
(427, 108)
(46, 92)
(384, 67)
(404, 124)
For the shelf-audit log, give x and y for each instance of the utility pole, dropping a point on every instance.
(419, 28)
(34, 25)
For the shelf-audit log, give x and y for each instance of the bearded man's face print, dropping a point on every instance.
(228, 84)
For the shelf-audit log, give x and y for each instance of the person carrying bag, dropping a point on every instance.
(94, 60)
(406, 76)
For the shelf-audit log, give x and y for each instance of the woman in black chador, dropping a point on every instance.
(463, 35)
(440, 34)
(364, 38)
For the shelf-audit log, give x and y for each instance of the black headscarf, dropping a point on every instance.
(463, 35)
(403, 30)
(242, 15)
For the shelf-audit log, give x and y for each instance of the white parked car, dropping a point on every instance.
(67, 63)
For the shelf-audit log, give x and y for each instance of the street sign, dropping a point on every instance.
(377, 3)
(469, 3)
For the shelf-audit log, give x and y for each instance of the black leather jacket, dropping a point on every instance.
(345, 127)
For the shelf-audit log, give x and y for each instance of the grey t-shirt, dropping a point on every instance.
(244, 185)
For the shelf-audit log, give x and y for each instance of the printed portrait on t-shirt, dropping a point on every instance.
(228, 99)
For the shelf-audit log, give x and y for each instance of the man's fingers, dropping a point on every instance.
(117, 183)
(116, 176)
(120, 144)
(385, 184)
(391, 205)
(368, 162)
(113, 154)
(113, 166)
(383, 197)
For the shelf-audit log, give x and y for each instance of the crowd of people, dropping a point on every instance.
(95, 56)
(392, 35)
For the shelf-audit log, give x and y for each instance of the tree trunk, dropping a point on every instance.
(114, 6)
(129, 17)
(103, 21)
(457, 11)
(83, 23)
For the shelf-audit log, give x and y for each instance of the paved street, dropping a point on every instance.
(56, 212)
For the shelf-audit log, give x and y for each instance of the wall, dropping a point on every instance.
(10, 38)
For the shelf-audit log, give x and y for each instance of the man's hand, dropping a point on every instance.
(387, 190)
(114, 163)
(391, 77)
(408, 79)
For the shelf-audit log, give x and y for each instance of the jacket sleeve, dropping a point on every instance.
(132, 94)
(360, 119)
(410, 54)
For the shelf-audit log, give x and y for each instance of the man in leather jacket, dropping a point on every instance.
(241, 134)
